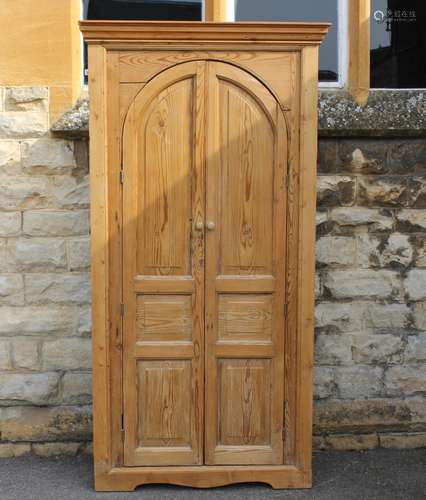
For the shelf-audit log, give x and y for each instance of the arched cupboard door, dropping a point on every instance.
(204, 243)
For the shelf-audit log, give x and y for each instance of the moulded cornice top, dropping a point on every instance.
(299, 33)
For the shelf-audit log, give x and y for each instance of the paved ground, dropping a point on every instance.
(373, 475)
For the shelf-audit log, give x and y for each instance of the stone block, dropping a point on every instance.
(362, 283)
(48, 156)
(415, 284)
(4, 266)
(336, 250)
(11, 290)
(5, 362)
(12, 450)
(382, 191)
(10, 224)
(26, 98)
(417, 192)
(405, 380)
(38, 320)
(9, 157)
(335, 190)
(334, 318)
(324, 384)
(37, 254)
(56, 223)
(59, 288)
(358, 217)
(32, 424)
(24, 193)
(71, 192)
(77, 388)
(419, 315)
(416, 348)
(327, 156)
(394, 250)
(377, 349)
(357, 382)
(84, 325)
(333, 349)
(23, 125)
(25, 353)
(386, 316)
(411, 220)
(56, 449)
(355, 442)
(407, 156)
(420, 251)
(403, 441)
(32, 388)
(79, 254)
(318, 286)
(67, 354)
(363, 156)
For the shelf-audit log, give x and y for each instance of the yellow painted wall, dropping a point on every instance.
(40, 45)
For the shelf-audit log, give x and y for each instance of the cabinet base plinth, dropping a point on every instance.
(129, 478)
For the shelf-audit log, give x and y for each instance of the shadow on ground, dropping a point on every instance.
(377, 474)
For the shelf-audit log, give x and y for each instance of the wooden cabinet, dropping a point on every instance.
(203, 155)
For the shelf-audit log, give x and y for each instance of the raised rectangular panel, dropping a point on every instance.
(245, 317)
(164, 318)
(244, 402)
(164, 403)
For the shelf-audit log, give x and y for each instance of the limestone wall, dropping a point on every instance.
(370, 370)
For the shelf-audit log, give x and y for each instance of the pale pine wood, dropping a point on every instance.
(244, 325)
(141, 66)
(359, 50)
(245, 33)
(246, 175)
(306, 257)
(160, 203)
(215, 10)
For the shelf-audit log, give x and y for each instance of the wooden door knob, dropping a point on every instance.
(199, 226)
(210, 225)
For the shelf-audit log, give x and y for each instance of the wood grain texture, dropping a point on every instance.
(246, 33)
(196, 136)
(161, 200)
(277, 69)
(359, 49)
(246, 201)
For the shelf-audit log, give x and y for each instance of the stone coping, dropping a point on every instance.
(386, 113)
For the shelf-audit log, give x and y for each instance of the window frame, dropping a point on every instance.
(342, 41)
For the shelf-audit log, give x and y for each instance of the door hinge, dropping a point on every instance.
(121, 175)
(121, 309)
(122, 427)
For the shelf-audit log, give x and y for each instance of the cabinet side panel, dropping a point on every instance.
(306, 264)
(99, 257)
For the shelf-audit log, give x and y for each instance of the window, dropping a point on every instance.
(398, 44)
(333, 51)
(165, 10)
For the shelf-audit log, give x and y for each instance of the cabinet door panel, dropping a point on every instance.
(163, 196)
(246, 157)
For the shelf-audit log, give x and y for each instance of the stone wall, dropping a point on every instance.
(370, 371)
(45, 386)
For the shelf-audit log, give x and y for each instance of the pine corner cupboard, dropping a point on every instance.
(202, 162)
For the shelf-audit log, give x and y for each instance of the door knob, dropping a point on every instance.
(199, 226)
(210, 225)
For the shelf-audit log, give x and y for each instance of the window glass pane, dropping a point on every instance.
(298, 10)
(398, 44)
